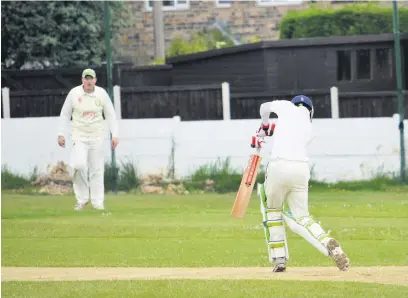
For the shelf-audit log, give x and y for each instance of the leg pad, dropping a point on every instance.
(310, 230)
(274, 228)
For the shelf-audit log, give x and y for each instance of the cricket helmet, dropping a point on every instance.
(302, 100)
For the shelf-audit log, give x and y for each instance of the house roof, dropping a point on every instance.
(286, 43)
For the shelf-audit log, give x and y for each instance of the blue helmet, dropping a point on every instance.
(304, 101)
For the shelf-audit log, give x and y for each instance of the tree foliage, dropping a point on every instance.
(356, 19)
(56, 34)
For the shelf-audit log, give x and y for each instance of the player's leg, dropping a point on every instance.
(300, 221)
(96, 174)
(78, 163)
(272, 194)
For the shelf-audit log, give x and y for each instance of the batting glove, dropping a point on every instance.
(263, 131)
(257, 142)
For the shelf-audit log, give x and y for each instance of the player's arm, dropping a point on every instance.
(277, 107)
(65, 115)
(265, 130)
(267, 108)
(110, 115)
(64, 119)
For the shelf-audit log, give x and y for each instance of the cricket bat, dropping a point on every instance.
(247, 185)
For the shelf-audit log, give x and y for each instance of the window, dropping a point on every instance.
(224, 3)
(383, 62)
(363, 63)
(278, 2)
(344, 65)
(169, 4)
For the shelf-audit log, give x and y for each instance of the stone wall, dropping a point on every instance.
(247, 19)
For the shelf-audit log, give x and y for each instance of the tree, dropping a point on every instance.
(56, 34)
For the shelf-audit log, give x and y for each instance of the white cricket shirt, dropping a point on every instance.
(87, 111)
(293, 130)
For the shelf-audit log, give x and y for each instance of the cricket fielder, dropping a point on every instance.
(87, 104)
(286, 181)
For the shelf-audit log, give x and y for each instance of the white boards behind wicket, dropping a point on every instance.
(341, 149)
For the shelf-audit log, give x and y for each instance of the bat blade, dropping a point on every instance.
(246, 187)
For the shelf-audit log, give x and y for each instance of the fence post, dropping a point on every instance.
(334, 98)
(226, 110)
(172, 158)
(6, 102)
(116, 101)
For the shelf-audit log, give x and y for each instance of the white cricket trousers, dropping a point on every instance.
(288, 180)
(87, 162)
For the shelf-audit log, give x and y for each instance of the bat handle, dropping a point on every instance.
(254, 144)
(258, 150)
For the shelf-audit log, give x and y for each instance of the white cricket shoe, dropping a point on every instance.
(99, 207)
(280, 265)
(80, 206)
(335, 251)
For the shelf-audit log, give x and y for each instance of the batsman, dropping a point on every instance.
(287, 181)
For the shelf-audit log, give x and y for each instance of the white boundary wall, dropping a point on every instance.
(341, 149)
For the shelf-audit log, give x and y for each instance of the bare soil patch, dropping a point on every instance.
(396, 275)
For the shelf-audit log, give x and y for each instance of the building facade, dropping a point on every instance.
(247, 20)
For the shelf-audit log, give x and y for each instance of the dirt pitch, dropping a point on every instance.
(395, 275)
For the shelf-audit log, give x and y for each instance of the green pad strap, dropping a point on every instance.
(273, 223)
(263, 197)
(267, 210)
(276, 244)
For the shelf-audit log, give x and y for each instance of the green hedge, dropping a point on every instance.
(357, 19)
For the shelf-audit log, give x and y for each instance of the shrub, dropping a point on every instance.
(225, 179)
(127, 176)
(201, 41)
(10, 180)
(377, 183)
(158, 61)
(356, 19)
(218, 177)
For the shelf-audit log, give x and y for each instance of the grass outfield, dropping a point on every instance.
(171, 231)
(201, 289)
(194, 231)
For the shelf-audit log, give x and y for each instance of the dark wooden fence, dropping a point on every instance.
(123, 75)
(203, 102)
(370, 104)
(246, 106)
(36, 104)
(159, 75)
(351, 104)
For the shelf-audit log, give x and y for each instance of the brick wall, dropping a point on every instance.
(245, 18)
